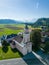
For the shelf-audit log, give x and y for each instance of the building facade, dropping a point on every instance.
(23, 44)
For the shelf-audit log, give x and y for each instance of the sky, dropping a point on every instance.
(24, 9)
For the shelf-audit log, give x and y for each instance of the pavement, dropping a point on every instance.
(29, 59)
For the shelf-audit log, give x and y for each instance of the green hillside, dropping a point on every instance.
(41, 22)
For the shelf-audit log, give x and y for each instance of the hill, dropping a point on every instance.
(9, 21)
(41, 22)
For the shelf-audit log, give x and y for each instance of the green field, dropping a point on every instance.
(6, 29)
(10, 54)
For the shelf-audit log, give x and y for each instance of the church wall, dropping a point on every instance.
(29, 47)
(26, 38)
(21, 48)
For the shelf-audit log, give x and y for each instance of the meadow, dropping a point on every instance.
(6, 29)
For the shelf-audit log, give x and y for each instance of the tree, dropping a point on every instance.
(46, 48)
(14, 50)
(5, 46)
(4, 43)
(5, 49)
(36, 39)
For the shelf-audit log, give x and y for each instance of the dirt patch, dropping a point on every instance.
(13, 27)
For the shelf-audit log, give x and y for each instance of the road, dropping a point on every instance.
(29, 59)
(20, 62)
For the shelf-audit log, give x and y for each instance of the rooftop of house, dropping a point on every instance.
(18, 38)
(10, 36)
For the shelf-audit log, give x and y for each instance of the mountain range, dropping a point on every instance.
(35, 22)
(9, 21)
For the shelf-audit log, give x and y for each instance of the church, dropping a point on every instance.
(23, 44)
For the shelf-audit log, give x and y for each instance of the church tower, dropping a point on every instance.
(26, 34)
(26, 39)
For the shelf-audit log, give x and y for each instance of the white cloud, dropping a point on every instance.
(37, 5)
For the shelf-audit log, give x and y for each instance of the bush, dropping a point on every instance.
(14, 50)
(5, 49)
(5, 46)
(4, 43)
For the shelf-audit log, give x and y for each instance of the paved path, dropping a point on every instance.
(29, 59)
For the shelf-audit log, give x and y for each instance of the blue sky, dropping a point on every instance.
(24, 9)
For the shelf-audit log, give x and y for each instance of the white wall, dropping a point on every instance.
(21, 48)
(29, 47)
(26, 38)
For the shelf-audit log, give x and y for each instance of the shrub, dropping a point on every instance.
(14, 50)
(4, 43)
(5, 49)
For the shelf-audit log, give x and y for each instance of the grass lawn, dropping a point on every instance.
(10, 54)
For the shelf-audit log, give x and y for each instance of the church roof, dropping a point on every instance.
(18, 38)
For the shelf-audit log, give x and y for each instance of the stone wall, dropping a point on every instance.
(21, 48)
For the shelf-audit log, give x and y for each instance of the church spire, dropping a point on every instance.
(26, 30)
(26, 27)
